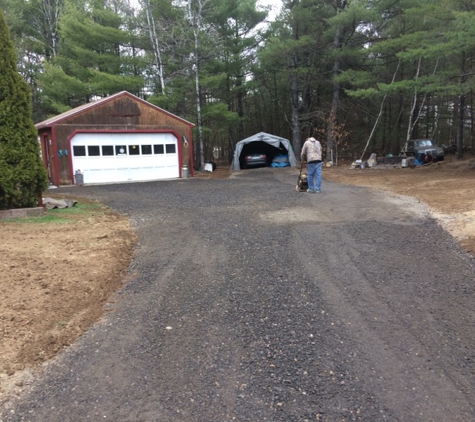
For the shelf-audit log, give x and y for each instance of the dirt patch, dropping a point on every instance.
(57, 272)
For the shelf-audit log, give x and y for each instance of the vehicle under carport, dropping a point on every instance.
(263, 143)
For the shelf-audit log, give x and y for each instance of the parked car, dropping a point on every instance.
(255, 160)
(419, 147)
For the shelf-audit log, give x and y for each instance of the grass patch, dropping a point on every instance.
(61, 215)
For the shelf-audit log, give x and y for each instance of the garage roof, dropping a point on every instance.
(60, 117)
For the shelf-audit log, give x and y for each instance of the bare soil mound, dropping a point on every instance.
(57, 273)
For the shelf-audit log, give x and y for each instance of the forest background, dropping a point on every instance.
(363, 75)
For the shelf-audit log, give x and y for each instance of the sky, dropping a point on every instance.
(276, 5)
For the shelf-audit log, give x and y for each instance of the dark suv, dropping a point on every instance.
(419, 147)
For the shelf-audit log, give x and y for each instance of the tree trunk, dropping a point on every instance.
(155, 45)
(413, 113)
(195, 19)
(240, 106)
(460, 126)
(295, 122)
(295, 100)
(428, 117)
(461, 115)
(333, 119)
(198, 107)
(47, 23)
(472, 132)
(385, 123)
(339, 6)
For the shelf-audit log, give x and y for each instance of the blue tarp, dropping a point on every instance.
(281, 161)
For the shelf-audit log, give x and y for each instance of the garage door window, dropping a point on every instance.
(93, 150)
(107, 150)
(120, 150)
(146, 149)
(79, 151)
(134, 150)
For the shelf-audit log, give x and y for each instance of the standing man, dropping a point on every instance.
(312, 153)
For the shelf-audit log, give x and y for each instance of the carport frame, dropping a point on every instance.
(268, 138)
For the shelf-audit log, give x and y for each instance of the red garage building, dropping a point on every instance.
(117, 139)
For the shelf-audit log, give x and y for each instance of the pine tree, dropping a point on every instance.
(22, 173)
(97, 56)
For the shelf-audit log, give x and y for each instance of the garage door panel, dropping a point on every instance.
(109, 163)
(92, 175)
(95, 163)
(149, 172)
(125, 156)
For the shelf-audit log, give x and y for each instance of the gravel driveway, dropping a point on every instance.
(248, 301)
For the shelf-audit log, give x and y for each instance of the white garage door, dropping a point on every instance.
(124, 157)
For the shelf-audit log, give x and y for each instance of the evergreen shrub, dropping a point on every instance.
(23, 175)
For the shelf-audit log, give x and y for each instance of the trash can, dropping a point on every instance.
(78, 178)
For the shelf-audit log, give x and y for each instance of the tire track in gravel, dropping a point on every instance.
(248, 301)
(387, 344)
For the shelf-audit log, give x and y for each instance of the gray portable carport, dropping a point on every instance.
(263, 142)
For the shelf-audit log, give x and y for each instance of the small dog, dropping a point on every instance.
(302, 183)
